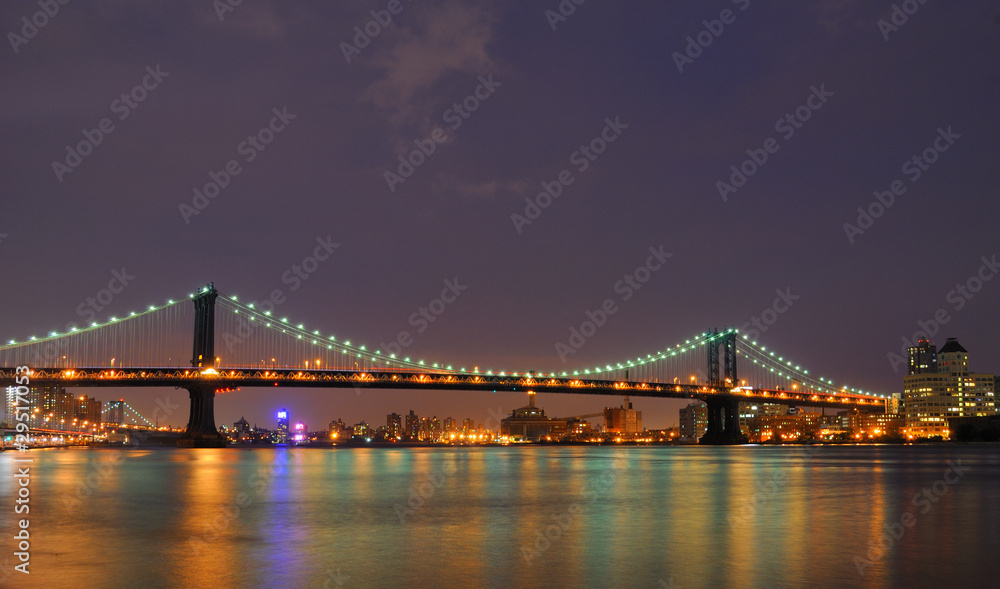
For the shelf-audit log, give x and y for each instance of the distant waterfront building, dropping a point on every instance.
(300, 433)
(413, 425)
(749, 411)
(923, 358)
(694, 421)
(282, 434)
(876, 425)
(394, 425)
(48, 407)
(931, 398)
(241, 426)
(530, 424)
(784, 428)
(86, 411)
(339, 430)
(623, 419)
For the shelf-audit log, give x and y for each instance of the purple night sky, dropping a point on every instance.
(506, 95)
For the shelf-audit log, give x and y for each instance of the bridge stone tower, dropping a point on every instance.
(723, 413)
(201, 431)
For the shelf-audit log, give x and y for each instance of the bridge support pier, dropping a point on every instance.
(723, 422)
(201, 431)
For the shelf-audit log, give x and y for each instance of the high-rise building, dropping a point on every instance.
(413, 425)
(694, 421)
(86, 410)
(923, 358)
(394, 425)
(930, 399)
(282, 426)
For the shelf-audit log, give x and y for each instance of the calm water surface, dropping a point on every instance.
(510, 517)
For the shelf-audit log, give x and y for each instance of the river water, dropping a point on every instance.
(525, 516)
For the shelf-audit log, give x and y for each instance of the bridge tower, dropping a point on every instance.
(723, 413)
(201, 431)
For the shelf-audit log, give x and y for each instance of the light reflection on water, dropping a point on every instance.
(513, 516)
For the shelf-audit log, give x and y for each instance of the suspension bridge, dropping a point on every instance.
(146, 349)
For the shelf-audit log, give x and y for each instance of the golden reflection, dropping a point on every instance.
(214, 497)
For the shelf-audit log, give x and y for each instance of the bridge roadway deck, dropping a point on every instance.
(227, 379)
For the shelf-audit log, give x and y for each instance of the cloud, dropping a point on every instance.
(439, 41)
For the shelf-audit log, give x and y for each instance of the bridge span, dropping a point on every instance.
(208, 377)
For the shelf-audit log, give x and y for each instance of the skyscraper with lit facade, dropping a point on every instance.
(931, 398)
(282, 426)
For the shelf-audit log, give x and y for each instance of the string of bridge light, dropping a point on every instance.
(666, 354)
(330, 342)
(764, 357)
(94, 325)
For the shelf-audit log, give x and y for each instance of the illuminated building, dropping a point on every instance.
(749, 411)
(923, 358)
(86, 409)
(241, 426)
(694, 421)
(300, 433)
(394, 425)
(874, 425)
(623, 419)
(932, 397)
(784, 428)
(529, 424)
(282, 433)
(413, 425)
